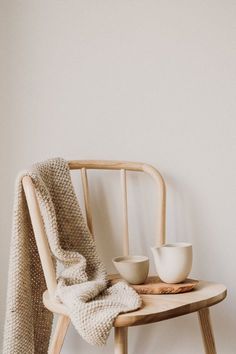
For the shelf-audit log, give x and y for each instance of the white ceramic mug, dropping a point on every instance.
(134, 269)
(173, 261)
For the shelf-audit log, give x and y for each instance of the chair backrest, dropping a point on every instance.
(83, 166)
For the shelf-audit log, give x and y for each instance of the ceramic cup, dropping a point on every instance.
(134, 269)
(173, 261)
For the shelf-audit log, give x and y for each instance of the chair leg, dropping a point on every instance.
(121, 340)
(206, 329)
(59, 335)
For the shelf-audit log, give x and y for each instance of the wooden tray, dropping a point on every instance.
(153, 285)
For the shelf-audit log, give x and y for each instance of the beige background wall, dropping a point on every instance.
(149, 81)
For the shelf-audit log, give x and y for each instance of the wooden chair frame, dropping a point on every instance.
(121, 329)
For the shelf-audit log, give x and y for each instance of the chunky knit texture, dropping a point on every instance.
(82, 284)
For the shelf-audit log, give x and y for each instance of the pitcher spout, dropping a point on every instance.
(156, 255)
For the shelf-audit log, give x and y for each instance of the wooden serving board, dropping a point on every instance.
(153, 285)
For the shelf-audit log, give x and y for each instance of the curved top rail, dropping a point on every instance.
(106, 165)
(117, 165)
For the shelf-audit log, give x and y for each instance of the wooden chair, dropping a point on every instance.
(155, 307)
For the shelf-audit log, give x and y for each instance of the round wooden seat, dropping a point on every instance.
(157, 308)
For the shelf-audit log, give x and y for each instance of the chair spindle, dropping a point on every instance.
(86, 199)
(125, 212)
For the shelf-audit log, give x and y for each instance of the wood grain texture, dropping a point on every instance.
(87, 205)
(206, 330)
(121, 340)
(153, 285)
(157, 308)
(125, 213)
(59, 335)
(106, 165)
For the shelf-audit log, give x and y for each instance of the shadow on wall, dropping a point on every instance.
(106, 201)
(105, 227)
(185, 219)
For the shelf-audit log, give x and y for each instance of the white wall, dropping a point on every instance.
(149, 81)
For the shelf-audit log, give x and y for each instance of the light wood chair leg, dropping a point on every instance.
(59, 335)
(206, 329)
(121, 340)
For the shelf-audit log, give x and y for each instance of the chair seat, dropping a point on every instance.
(157, 308)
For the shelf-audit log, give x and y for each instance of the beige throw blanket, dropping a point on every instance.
(82, 285)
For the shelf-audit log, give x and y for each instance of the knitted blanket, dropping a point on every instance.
(82, 284)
